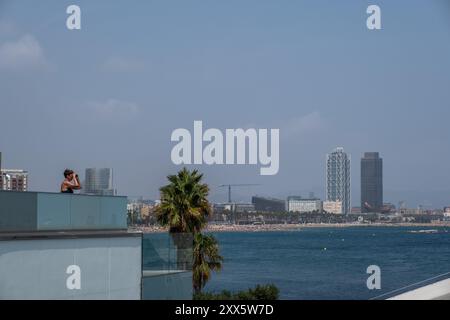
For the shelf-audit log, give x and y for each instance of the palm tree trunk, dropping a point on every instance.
(197, 290)
(183, 243)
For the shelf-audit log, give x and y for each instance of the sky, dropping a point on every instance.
(110, 94)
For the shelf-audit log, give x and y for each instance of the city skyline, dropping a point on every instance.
(313, 70)
(100, 181)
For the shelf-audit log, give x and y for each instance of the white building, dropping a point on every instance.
(13, 180)
(297, 204)
(334, 207)
(244, 207)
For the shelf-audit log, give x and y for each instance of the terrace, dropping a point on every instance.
(43, 234)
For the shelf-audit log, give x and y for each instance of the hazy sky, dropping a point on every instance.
(110, 94)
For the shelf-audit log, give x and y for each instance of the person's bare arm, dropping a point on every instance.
(77, 182)
(74, 184)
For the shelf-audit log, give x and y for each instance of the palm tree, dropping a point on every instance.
(184, 209)
(206, 259)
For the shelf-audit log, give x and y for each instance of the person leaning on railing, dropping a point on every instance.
(71, 182)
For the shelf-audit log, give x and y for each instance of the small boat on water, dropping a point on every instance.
(424, 231)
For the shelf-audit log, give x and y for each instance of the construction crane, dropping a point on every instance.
(236, 185)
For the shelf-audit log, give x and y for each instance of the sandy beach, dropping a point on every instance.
(291, 227)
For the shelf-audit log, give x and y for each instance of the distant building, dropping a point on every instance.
(140, 211)
(14, 180)
(334, 207)
(371, 182)
(355, 210)
(146, 211)
(268, 204)
(99, 182)
(410, 211)
(447, 214)
(388, 208)
(298, 204)
(233, 207)
(338, 178)
(244, 207)
(219, 207)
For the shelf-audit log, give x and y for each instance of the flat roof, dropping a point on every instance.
(72, 234)
(70, 194)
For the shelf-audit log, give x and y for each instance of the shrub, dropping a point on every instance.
(260, 292)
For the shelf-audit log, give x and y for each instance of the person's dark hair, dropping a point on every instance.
(67, 172)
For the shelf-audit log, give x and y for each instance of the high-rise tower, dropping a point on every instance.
(371, 182)
(338, 178)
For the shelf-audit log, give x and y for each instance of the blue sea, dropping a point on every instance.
(329, 263)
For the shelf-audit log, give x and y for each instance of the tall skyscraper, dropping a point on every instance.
(338, 178)
(371, 182)
(99, 181)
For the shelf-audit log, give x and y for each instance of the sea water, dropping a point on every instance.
(330, 263)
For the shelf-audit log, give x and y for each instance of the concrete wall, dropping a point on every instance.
(36, 269)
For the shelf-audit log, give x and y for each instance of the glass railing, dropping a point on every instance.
(167, 252)
(40, 211)
(167, 266)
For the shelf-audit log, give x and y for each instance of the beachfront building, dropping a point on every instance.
(68, 246)
(140, 211)
(221, 207)
(446, 214)
(338, 178)
(301, 205)
(263, 204)
(243, 207)
(334, 207)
